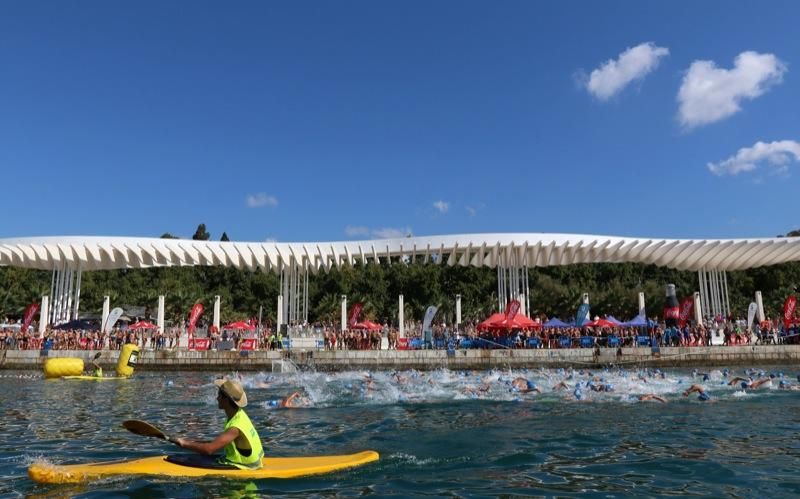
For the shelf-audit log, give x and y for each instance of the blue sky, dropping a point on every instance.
(311, 121)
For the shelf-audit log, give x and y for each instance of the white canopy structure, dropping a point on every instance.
(511, 254)
(479, 250)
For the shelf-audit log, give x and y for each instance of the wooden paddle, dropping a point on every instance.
(146, 430)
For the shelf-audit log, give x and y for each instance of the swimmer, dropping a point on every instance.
(651, 396)
(524, 385)
(291, 402)
(97, 372)
(783, 385)
(602, 387)
(750, 384)
(476, 391)
(562, 385)
(701, 393)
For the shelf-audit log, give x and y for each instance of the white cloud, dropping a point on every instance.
(709, 93)
(391, 233)
(261, 199)
(473, 210)
(778, 154)
(383, 233)
(352, 231)
(633, 64)
(270, 240)
(441, 206)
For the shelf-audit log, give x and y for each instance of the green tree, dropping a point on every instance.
(200, 234)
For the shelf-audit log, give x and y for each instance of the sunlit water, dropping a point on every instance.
(437, 433)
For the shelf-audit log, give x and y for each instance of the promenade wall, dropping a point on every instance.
(287, 360)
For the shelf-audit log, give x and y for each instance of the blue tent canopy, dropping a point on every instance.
(557, 323)
(611, 318)
(638, 321)
(87, 324)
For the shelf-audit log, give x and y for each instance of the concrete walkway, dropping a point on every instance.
(288, 360)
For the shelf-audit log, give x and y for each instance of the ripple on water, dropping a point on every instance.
(439, 433)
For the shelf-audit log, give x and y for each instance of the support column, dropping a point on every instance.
(44, 314)
(106, 307)
(216, 312)
(76, 307)
(344, 312)
(280, 312)
(458, 311)
(760, 304)
(698, 308)
(642, 309)
(160, 319)
(401, 316)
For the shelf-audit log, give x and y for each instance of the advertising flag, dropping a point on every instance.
(582, 315)
(429, 314)
(28, 316)
(355, 312)
(511, 310)
(112, 319)
(788, 311)
(751, 315)
(194, 314)
(687, 307)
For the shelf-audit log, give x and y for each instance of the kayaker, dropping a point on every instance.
(98, 371)
(239, 438)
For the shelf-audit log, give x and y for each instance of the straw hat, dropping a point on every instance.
(233, 389)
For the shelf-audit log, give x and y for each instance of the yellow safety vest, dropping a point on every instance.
(242, 422)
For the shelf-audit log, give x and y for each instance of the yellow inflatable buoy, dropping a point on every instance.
(128, 357)
(63, 366)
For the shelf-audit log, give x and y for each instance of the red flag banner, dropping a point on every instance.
(788, 311)
(195, 314)
(511, 310)
(355, 312)
(687, 307)
(28, 316)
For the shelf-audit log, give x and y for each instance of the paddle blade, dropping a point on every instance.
(144, 429)
(97, 355)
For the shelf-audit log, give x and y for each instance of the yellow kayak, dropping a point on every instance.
(95, 378)
(197, 466)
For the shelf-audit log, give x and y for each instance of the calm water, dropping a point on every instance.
(436, 434)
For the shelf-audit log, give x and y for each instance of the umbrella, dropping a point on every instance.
(239, 325)
(142, 325)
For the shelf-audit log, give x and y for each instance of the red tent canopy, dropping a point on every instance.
(367, 324)
(487, 324)
(518, 322)
(498, 321)
(142, 325)
(600, 323)
(239, 325)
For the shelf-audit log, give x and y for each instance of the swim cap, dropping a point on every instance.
(609, 387)
(744, 385)
(703, 397)
(798, 377)
(783, 383)
(705, 377)
(531, 385)
(771, 376)
(274, 403)
(578, 394)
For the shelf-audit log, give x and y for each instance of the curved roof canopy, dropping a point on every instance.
(489, 250)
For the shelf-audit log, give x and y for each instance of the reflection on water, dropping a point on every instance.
(441, 433)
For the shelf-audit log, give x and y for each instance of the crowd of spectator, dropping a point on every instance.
(467, 335)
